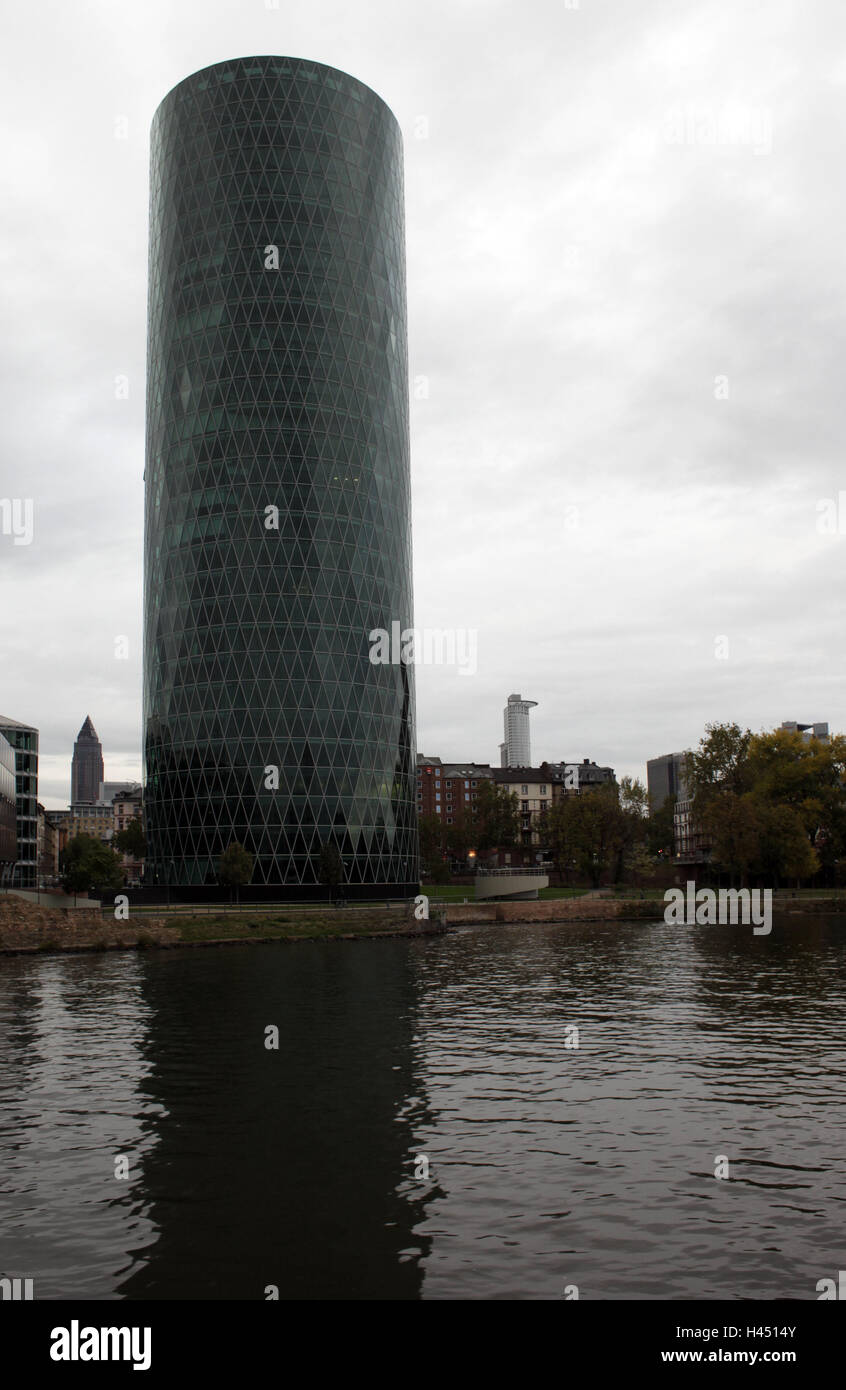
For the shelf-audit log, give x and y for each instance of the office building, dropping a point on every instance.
(516, 751)
(108, 791)
(87, 764)
(90, 818)
(8, 813)
(808, 731)
(23, 739)
(665, 777)
(278, 531)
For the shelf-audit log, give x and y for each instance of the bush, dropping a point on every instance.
(439, 872)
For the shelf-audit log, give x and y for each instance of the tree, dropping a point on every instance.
(784, 849)
(631, 829)
(593, 825)
(496, 813)
(87, 863)
(555, 826)
(641, 864)
(131, 840)
(732, 827)
(770, 804)
(235, 866)
(331, 871)
(660, 830)
(719, 764)
(600, 830)
(784, 766)
(808, 776)
(461, 835)
(431, 834)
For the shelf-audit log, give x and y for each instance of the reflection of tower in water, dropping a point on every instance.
(291, 1167)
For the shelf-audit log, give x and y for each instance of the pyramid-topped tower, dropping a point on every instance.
(87, 766)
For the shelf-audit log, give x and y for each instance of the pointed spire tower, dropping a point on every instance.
(87, 770)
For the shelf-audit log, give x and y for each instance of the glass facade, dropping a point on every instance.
(278, 531)
(24, 741)
(8, 811)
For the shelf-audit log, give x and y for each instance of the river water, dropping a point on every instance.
(504, 1112)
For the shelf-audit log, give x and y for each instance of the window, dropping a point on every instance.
(543, 789)
(524, 789)
(474, 784)
(544, 805)
(437, 796)
(467, 784)
(524, 805)
(438, 810)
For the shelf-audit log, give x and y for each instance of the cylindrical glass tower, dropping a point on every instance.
(278, 530)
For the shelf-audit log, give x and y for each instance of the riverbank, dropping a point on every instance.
(27, 929)
(584, 909)
(589, 909)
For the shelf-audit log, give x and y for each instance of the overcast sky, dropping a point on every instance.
(626, 277)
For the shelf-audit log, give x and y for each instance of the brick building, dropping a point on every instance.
(447, 789)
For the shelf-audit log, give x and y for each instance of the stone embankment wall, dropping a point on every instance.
(555, 910)
(589, 909)
(26, 927)
(808, 905)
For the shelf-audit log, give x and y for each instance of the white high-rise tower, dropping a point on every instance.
(516, 751)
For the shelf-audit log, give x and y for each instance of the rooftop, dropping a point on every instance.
(520, 774)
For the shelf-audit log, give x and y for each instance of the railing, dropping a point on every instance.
(513, 872)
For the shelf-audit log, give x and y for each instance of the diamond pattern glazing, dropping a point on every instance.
(279, 387)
